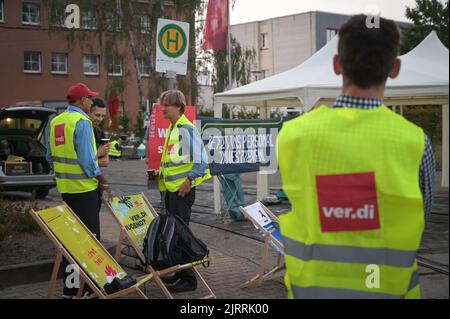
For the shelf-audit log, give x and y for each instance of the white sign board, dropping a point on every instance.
(172, 46)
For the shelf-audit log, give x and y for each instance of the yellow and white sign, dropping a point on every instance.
(134, 214)
(172, 46)
(93, 258)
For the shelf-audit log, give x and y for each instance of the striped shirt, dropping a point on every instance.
(428, 165)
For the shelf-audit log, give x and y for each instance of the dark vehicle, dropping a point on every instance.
(23, 165)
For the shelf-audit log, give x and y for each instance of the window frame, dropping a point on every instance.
(66, 63)
(97, 63)
(112, 63)
(264, 40)
(2, 11)
(36, 5)
(141, 63)
(28, 61)
(144, 28)
(56, 14)
(113, 17)
(88, 16)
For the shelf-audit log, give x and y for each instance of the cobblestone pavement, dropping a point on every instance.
(237, 247)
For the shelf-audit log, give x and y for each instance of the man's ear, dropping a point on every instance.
(337, 66)
(396, 69)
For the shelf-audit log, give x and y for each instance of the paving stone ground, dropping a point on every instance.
(236, 247)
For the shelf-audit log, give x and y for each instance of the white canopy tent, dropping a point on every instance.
(423, 80)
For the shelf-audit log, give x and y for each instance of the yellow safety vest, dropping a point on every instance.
(70, 176)
(113, 150)
(175, 166)
(357, 217)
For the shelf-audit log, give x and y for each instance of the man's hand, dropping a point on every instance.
(103, 150)
(106, 188)
(185, 188)
(103, 161)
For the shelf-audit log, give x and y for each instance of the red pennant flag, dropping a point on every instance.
(216, 30)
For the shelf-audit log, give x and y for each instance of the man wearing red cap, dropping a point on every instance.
(73, 152)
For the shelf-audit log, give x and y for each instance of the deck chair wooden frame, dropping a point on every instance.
(265, 272)
(85, 279)
(157, 274)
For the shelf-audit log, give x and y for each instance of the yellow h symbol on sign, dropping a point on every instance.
(171, 40)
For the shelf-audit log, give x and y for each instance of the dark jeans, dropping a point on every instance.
(181, 206)
(87, 207)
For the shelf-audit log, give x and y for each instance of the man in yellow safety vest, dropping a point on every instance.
(183, 167)
(359, 178)
(73, 153)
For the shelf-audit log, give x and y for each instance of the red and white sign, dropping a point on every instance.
(158, 130)
(348, 202)
(60, 139)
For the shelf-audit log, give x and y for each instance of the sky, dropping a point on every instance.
(256, 10)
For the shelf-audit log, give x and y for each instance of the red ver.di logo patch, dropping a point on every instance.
(60, 139)
(348, 202)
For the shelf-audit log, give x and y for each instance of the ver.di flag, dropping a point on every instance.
(216, 30)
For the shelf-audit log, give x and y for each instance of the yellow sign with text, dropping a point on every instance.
(134, 214)
(93, 258)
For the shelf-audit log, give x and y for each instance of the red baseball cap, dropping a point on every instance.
(78, 91)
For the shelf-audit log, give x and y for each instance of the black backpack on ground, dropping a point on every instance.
(170, 242)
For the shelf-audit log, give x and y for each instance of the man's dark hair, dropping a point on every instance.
(368, 54)
(96, 102)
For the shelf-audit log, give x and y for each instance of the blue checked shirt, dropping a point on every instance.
(428, 165)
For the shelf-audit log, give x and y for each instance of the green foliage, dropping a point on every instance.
(139, 129)
(428, 15)
(242, 61)
(429, 118)
(15, 217)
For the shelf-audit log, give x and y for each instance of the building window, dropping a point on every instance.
(32, 62)
(30, 14)
(59, 63)
(2, 11)
(58, 17)
(113, 22)
(88, 20)
(144, 24)
(264, 40)
(143, 67)
(115, 66)
(331, 33)
(91, 64)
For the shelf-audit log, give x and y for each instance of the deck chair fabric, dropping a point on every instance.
(81, 248)
(134, 215)
(267, 224)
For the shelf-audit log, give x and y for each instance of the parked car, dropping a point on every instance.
(23, 163)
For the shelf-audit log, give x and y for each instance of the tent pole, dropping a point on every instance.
(262, 185)
(445, 145)
(217, 199)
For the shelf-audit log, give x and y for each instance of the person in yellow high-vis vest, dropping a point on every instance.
(183, 167)
(73, 153)
(359, 178)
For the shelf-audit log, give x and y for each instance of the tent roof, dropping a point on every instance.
(424, 74)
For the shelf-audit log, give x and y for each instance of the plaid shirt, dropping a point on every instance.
(428, 165)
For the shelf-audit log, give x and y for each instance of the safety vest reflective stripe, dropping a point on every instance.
(63, 160)
(71, 176)
(337, 293)
(349, 254)
(175, 177)
(172, 164)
